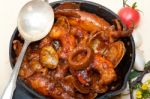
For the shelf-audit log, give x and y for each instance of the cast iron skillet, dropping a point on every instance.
(122, 69)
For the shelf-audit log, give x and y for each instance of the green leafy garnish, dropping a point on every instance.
(137, 86)
(134, 74)
(143, 91)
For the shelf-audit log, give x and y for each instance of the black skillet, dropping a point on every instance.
(123, 69)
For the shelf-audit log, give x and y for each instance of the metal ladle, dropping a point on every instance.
(35, 20)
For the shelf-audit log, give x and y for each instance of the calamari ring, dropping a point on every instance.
(83, 63)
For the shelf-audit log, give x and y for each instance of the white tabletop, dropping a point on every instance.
(8, 18)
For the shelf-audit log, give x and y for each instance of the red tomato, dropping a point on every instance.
(129, 15)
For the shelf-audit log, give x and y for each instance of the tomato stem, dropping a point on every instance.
(134, 5)
(124, 3)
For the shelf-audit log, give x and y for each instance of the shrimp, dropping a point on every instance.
(60, 31)
(106, 72)
(89, 21)
(50, 87)
(41, 84)
(81, 35)
(25, 70)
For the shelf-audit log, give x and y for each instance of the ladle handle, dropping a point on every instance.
(8, 92)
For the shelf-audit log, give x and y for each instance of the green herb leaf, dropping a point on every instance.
(137, 86)
(134, 74)
(146, 94)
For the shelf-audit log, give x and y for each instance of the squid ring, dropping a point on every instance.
(81, 63)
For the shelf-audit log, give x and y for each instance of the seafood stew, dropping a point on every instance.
(79, 57)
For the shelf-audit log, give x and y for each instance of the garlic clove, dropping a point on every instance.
(139, 61)
(146, 77)
(137, 38)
